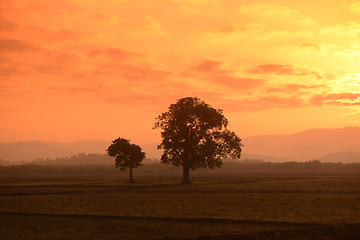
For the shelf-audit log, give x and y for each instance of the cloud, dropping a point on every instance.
(54, 8)
(262, 9)
(297, 87)
(143, 72)
(197, 7)
(331, 76)
(137, 99)
(11, 67)
(148, 27)
(212, 71)
(265, 22)
(72, 89)
(140, 73)
(341, 99)
(208, 66)
(60, 64)
(237, 83)
(8, 71)
(310, 45)
(158, 97)
(227, 29)
(6, 25)
(280, 102)
(15, 45)
(281, 69)
(354, 7)
(59, 35)
(11, 88)
(263, 103)
(340, 96)
(350, 29)
(258, 31)
(195, 2)
(112, 53)
(294, 88)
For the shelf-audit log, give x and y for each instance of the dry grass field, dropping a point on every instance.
(216, 206)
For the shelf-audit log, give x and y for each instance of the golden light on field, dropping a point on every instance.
(76, 70)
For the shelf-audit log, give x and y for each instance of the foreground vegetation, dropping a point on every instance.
(219, 206)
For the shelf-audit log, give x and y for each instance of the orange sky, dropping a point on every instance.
(88, 69)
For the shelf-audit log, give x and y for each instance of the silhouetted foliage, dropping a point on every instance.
(195, 135)
(77, 159)
(126, 155)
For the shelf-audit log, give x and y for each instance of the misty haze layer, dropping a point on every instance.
(328, 145)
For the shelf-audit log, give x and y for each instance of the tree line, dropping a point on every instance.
(156, 169)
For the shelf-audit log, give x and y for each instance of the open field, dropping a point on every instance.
(217, 206)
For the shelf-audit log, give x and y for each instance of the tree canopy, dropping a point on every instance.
(195, 135)
(126, 155)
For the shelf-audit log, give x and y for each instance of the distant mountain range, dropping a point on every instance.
(307, 145)
(328, 145)
(340, 156)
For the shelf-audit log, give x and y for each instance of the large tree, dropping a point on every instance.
(126, 155)
(195, 135)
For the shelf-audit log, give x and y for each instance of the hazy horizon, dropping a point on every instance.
(342, 144)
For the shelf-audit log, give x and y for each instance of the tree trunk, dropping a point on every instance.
(131, 175)
(186, 175)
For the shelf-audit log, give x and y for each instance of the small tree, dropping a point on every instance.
(195, 135)
(126, 155)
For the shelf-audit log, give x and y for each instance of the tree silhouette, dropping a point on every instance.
(195, 135)
(126, 155)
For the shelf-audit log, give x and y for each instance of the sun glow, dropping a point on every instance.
(346, 83)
